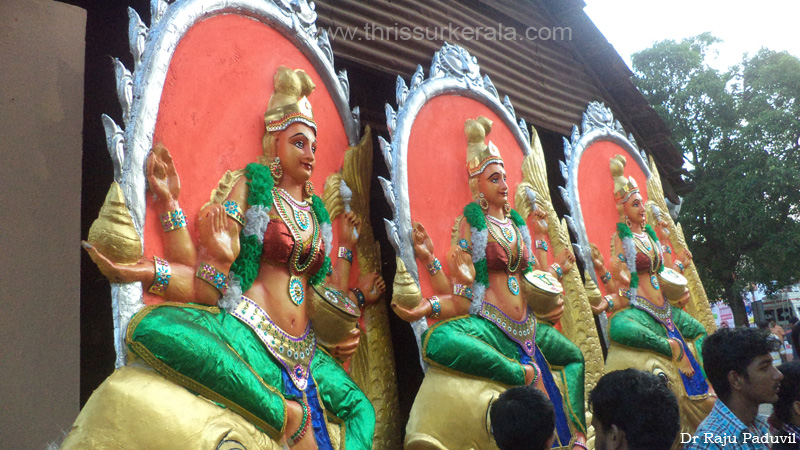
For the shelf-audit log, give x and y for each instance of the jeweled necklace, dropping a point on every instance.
(296, 289)
(300, 209)
(504, 225)
(513, 260)
(644, 239)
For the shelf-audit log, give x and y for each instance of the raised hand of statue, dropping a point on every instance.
(349, 230)
(540, 226)
(597, 259)
(218, 237)
(162, 178)
(372, 285)
(462, 271)
(423, 245)
(566, 259)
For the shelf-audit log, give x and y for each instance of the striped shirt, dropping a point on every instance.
(723, 430)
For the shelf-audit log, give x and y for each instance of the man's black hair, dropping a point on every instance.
(640, 404)
(789, 391)
(733, 349)
(522, 419)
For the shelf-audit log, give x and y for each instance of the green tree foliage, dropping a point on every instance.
(739, 132)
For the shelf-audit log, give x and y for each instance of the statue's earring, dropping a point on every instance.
(309, 189)
(628, 222)
(484, 204)
(507, 208)
(275, 169)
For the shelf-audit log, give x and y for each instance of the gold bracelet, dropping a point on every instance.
(434, 267)
(233, 210)
(213, 276)
(463, 290)
(436, 307)
(346, 254)
(173, 220)
(558, 270)
(162, 276)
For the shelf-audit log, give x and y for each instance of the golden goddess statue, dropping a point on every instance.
(496, 312)
(272, 352)
(647, 332)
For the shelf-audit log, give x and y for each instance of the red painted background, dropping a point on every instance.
(437, 171)
(596, 190)
(211, 115)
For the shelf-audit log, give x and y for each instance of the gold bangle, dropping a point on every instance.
(162, 275)
(463, 290)
(233, 210)
(346, 254)
(173, 220)
(436, 307)
(213, 276)
(434, 267)
(557, 268)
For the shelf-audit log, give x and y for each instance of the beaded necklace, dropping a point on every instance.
(300, 209)
(513, 259)
(505, 227)
(296, 286)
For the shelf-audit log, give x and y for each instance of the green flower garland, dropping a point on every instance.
(247, 264)
(476, 219)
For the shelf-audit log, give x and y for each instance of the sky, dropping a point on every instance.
(744, 26)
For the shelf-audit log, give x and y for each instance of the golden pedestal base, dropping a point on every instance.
(450, 412)
(692, 410)
(136, 408)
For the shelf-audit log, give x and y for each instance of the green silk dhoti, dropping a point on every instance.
(214, 354)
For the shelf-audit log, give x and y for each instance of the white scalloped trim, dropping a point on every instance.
(327, 237)
(479, 241)
(233, 295)
(526, 237)
(257, 221)
(629, 248)
(478, 294)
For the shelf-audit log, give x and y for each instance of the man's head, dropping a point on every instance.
(633, 410)
(787, 408)
(523, 419)
(737, 361)
(772, 324)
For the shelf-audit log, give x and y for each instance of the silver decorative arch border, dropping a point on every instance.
(598, 125)
(453, 72)
(139, 93)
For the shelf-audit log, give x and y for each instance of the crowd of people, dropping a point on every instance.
(632, 409)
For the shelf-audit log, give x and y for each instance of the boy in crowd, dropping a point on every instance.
(738, 364)
(787, 409)
(522, 418)
(633, 410)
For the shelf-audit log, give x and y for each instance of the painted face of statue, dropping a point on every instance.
(634, 209)
(296, 147)
(492, 184)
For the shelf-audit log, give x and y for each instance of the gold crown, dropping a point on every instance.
(480, 154)
(289, 103)
(623, 187)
